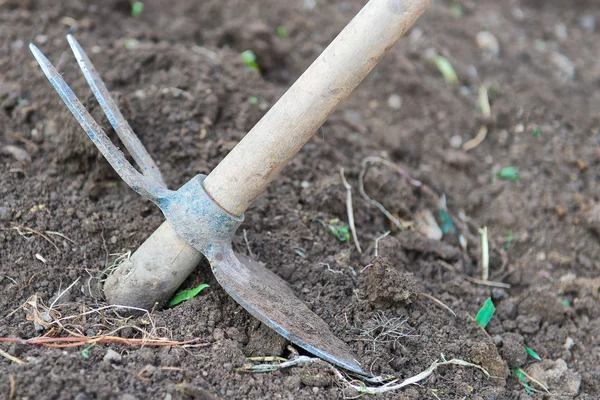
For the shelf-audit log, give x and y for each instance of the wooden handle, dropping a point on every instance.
(259, 157)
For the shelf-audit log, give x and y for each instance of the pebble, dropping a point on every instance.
(394, 101)
(456, 141)
(560, 31)
(588, 22)
(5, 214)
(112, 357)
(488, 42)
(563, 64)
(569, 343)
(41, 39)
(17, 44)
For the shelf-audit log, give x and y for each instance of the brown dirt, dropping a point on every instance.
(178, 77)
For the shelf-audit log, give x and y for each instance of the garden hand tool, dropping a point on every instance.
(203, 215)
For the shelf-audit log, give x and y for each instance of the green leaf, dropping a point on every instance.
(446, 69)
(522, 378)
(485, 313)
(533, 353)
(447, 226)
(186, 294)
(339, 230)
(564, 302)
(85, 353)
(509, 240)
(282, 32)
(509, 174)
(253, 100)
(536, 131)
(249, 59)
(137, 7)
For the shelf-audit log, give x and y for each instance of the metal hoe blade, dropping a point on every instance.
(202, 223)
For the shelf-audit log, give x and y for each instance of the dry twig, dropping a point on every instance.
(11, 357)
(438, 301)
(350, 210)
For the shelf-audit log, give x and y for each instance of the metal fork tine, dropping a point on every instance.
(139, 183)
(116, 119)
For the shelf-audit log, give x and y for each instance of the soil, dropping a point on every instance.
(177, 75)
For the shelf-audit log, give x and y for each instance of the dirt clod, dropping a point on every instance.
(486, 355)
(556, 376)
(543, 304)
(513, 349)
(386, 284)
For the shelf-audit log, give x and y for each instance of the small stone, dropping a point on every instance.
(128, 396)
(456, 141)
(569, 343)
(37, 136)
(394, 101)
(560, 31)
(5, 214)
(498, 293)
(81, 396)
(588, 22)
(565, 67)
(17, 44)
(49, 128)
(70, 211)
(497, 340)
(112, 357)
(488, 42)
(113, 239)
(41, 39)
(89, 225)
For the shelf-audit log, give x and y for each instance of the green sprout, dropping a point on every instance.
(509, 240)
(339, 230)
(533, 353)
(564, 302)
(446, 69)
(282, 32)
(509, 174)
(85, 353)
(186, 294)
(485, 313)
(249, 60)
(447, 224)
(137, 7)
(536, 131)
(253, 100)
(522, 379)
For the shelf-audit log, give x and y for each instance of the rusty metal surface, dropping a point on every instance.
(268, 298)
